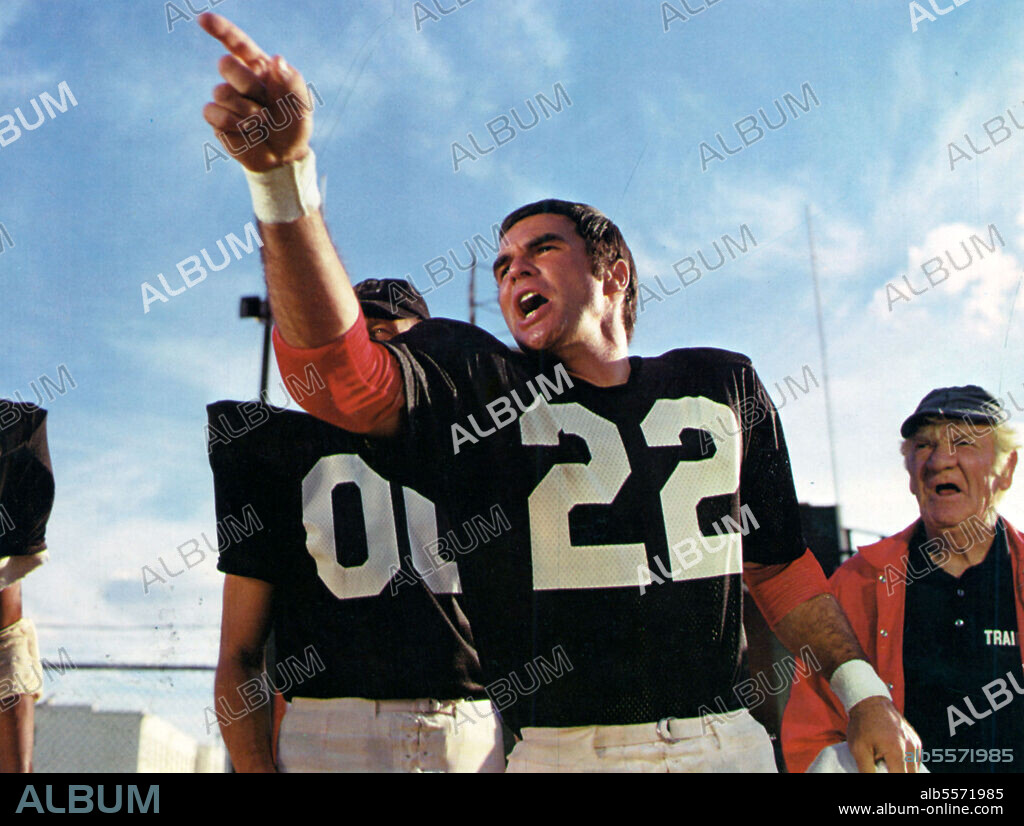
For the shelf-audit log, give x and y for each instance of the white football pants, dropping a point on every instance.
(356, 735)
(730, 742)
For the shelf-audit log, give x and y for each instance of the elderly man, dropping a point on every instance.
(952, 586)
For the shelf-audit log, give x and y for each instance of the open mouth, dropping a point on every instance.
(531, 302)
(947, 489)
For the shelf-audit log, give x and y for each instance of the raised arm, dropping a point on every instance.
(262, 115)
(310, 292)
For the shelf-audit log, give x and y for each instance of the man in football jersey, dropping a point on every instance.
(610, 470)
(26, 497)
(373, 657)
(940, 605)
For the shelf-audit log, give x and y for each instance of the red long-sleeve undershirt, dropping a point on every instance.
(776, 594)
(356, 382)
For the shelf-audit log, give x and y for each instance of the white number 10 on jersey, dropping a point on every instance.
(371, 577)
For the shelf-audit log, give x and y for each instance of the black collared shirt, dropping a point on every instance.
(959, 636)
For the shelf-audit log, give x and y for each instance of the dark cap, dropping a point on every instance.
(390, 298)
(970, 403)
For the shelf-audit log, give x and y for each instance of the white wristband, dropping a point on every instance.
(285, 193)
(856, 680)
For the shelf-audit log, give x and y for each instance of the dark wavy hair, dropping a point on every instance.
(604, 242)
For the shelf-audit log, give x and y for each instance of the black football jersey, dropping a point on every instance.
(610, 592)
(26, 479)
(360, 603)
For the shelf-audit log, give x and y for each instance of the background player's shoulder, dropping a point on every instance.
(24, 409)
(233, 407)
(26, 480)
(237, 424)
(32, 414)
(253, 430)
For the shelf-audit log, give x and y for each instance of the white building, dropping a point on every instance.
(78, 738)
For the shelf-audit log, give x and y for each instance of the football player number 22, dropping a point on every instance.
(382, 563)
(558, 564)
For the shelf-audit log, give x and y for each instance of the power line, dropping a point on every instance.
(141, 627)
(136, 667)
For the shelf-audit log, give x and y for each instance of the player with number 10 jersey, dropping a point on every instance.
(372, 656)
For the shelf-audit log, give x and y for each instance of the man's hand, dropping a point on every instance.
(263, 114)
(877, 731)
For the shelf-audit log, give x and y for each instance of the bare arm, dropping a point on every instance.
(821, 624)
(245, 623)
(16, 711)
(877, 731)
(312, 298)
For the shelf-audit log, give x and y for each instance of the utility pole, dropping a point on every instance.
(252, 306)
(824, 359)
(473, 303)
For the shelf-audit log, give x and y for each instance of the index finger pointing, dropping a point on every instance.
(235, 41)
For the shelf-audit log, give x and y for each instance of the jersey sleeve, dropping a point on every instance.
(766, 479)
(26, 484)
(251, 490)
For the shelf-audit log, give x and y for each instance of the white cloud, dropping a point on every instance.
(538, 29)
(21, 87)
(968, 291)
(95, 578)
(884, 362)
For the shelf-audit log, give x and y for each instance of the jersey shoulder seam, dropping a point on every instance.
(708, 354)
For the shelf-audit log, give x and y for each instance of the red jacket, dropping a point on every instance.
(870, 587)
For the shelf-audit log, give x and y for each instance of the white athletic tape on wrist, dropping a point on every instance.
(13, 568)
(856, 680)
(21, 670)
(285, 193)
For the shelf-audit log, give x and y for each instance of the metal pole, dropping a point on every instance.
(265, 369)
(824, 359)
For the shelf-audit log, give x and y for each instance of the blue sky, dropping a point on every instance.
(114, 191)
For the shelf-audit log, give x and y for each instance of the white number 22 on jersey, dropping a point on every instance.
(558, 564)
(372, 576)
